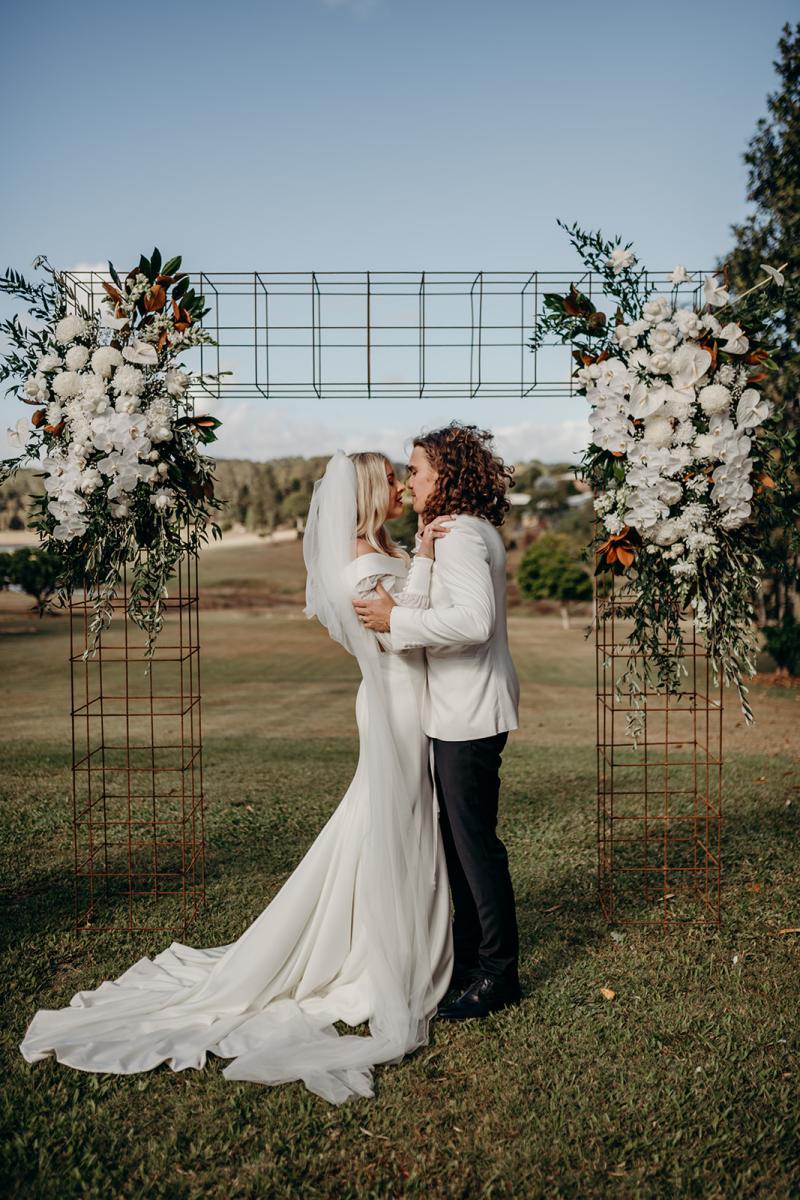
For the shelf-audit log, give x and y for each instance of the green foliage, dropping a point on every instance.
(783, 642)
(771, 234)
(36, 571)
(551, 570)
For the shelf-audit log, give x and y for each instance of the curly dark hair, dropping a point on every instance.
(472, 478)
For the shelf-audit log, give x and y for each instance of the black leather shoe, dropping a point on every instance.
(462, 977)
(486, 994)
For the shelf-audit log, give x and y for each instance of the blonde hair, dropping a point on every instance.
(372, 502)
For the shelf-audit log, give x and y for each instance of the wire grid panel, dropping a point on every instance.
(659, 796)
(305, 335)
(137, 766)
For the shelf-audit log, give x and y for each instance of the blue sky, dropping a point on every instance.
(377, 134)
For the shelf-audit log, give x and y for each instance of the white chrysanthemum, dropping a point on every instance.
(176, 382)
(679, 274)
(714, 399)
(613, 522)
(48, 362)
(658, 431)
(105, 359)
(36, 389)
(70, 328)
(684, 567)
(128, 379)
(76, 358)
(698, 483)
(91, 480)
(66, 384)
(603, 503)
(620, 258)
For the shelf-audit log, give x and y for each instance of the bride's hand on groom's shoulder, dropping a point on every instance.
(430, 533)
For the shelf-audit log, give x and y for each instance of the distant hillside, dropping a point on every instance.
(258, 495)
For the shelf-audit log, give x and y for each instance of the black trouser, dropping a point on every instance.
(484, 919)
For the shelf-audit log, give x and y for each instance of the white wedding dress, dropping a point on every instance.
(360, 931)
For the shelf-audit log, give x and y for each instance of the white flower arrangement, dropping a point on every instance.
(679, 456)
(114, 432)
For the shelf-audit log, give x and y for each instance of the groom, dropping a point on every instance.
(471, 700)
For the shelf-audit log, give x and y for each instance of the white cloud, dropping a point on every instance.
(250, 430)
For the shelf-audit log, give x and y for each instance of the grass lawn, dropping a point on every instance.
(685, 1084)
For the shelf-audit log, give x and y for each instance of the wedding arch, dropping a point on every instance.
(138, 796)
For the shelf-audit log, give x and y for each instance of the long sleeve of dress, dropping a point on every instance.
(415, 593)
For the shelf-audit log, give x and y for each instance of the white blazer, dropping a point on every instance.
(472, 688)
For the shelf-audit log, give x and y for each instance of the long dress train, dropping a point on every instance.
(314, 955)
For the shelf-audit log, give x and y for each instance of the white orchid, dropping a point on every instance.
(713, 293)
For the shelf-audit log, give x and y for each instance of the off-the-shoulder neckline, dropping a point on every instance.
(389, 558)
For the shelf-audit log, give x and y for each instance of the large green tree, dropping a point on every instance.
(771, 234)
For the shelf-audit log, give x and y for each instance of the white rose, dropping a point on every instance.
(688, 322)
(105, 359)
(70, 328)
(624, 338)
(36, 389)
(660, 362)
(662, 336)
(714, 399)
(656, 310)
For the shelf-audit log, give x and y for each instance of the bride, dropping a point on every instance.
(360, 931)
